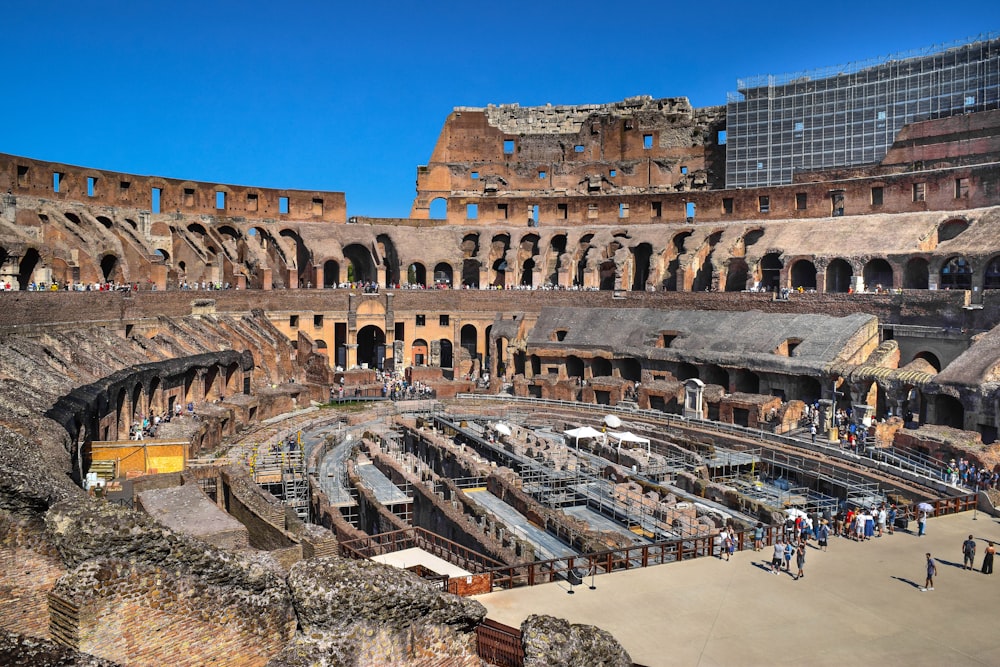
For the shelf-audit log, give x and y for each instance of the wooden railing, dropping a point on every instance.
(397, 540)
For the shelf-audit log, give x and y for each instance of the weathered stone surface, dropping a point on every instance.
(21, 651)
(29, 482)
(554, 642)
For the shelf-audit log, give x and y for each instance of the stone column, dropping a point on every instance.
(352, 355)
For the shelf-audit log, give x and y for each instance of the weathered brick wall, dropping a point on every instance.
(262, 514)
(29, 567)
(142, 615)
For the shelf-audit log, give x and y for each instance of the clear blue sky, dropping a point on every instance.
(351, 96)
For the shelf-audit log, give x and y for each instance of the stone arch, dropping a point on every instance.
(361, 264)
(811, 390)
(574, 366)
(737, 275)
(233, 378)
(641, 256)
(26, 267)
(443, 275)
(303, 258)
(499, 246)
(331, 273)
(416, 274)
(371, 346)
(389, 258)
(949, 411)
(197, 228)
(212, 375)
(877, 274)
(419, 352)
(672, 259)
(165, 255)
(686, 371)
(930, 358)
(438, 209)
(991, 274)
(770, 271)
(838, 276)
(956, 273)
(803, 274)
(713, 374)
(704, 277)
(746, 381)
(600, 367)
(581, 257)
(607, 274)
(471, 265)
(916, 274)
(527, 254)
(111, 269)
(469, 339)
(949, 229)
(554, 260)
(630, 368)
(105, 221)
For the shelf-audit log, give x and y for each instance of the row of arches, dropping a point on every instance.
(372, 348)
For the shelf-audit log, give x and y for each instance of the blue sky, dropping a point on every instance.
(321, 95)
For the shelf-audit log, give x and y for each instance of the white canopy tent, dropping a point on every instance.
(579, 434)
(627, 436)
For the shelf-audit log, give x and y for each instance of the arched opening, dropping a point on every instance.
(419, 352)
(770, 271)
(746, 382)
(164, 255)
(26, 268)
(500, 271)
(804, 275)
(582, 251)
(712, 374)
(737, 275)
(109, 268)
(914, 406)
(630, 369)
(303, 258)
(527, 271)
(389, 259)
(838, 276)
(673, 253)
(446, 356)
(322, 347)
(811, 390)
(211, 376)
(991, 276)
(916, 274)
(72, 217)
(362, 267)
(641, 255)
(331, 273)
(607, 273)
(469, 338)
(438, 208)
(557, 248)
(877, 275)
(956, 274)
(536, 365)
(416, 274)
(196, 228)
(949, 229)
(470, 272)
(600, 367)
(948, 411)
(105, 221)
(930, 358)
(574, 366)
(686, 371)
(371, 347)
(443, 275)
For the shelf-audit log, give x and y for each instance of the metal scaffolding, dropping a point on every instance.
(850, 115)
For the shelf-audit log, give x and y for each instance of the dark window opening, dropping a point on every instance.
(727, 205)
(878, 194)
(293, 321)
(764, 202)
(421, 320)
(251, 202)
(919, 192)
(189, 196)
(800, 201)
(317, 321)
(317, 206)
(563, 211)
(656, 209)
(443, 320)
(961, 188)
(22, 176)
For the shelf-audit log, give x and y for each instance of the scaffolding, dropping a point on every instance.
(280, 469)
(838, 117)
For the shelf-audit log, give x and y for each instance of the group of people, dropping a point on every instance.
(969, 555)
(966, 474)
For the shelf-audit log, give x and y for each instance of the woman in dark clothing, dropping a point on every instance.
(988, 558)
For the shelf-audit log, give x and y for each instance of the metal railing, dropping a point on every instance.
(499, 644)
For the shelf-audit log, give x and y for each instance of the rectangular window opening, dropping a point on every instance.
(647, 141)
(727, 205)
(189, 196)
(317, 321)
(443, 320)
(155, 205)
(91, 185)
(533, 214)
(684, 170)
(474, 175)
(421, 320)
(764, 202)
(877, 195)
(656, 209)
(56, 177)
(508, 147)
(919, 192)
(800, 201)
(721, 138)
(961, 188)
(542, 175)
(293, 321)
(283, 205)
(579, 148)
(472, 211)
(563, 211)
(591, 211)
(622, 210)
(612, 173)
(317, 206)
(220, 200)
(251, 202)
(22, 176)
(502, 211)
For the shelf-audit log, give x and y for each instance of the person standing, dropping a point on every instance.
(823, 534)
(968, 553)
(988, 558)
(800, 560)
(921, 523)
(758, 536)
(779, 553)
(931, 573)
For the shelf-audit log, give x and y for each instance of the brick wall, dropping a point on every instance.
(29, 567)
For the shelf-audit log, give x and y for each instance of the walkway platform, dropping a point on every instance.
(859, 604)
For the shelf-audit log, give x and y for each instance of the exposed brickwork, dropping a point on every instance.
(29, 567)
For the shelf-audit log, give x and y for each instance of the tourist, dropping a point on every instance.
(968, 553)
(779, 553)
(891, 519)
(789, 550)
(823, 534)
(931, 573)
(921, 524)
(758, 536)
(800, 560)
(988, 558)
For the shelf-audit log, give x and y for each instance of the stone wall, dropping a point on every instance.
(29, 567)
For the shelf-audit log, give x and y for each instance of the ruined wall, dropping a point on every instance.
(29, 567)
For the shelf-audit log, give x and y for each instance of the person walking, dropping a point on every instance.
(800, 560)
(779, 553)
(931, 573)
(921, 523)
(823, 534)
(988, 558)
(968, 553)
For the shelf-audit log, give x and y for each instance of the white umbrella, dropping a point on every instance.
(925, 507)
(793, 512)
(502, 428)
(612, 421)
